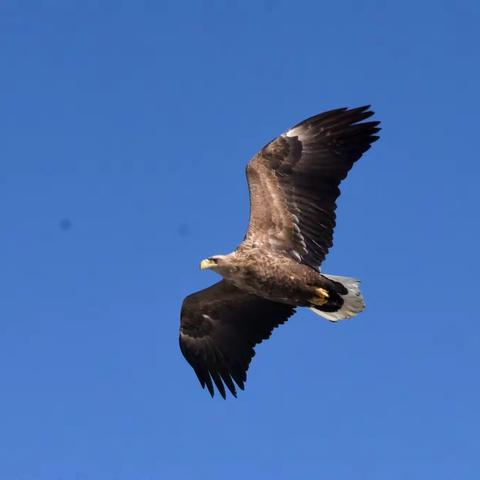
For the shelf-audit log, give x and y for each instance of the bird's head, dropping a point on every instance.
(214, 263)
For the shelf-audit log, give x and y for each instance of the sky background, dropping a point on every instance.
(125, 130)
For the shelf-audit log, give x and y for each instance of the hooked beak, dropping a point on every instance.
(207, 263)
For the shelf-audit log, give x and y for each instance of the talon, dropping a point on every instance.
(322, 293)
(321, 298)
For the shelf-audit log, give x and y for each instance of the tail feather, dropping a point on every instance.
(353, 302)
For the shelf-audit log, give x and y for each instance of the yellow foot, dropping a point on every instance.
(321, 297)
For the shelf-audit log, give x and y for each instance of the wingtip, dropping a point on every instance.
(362, 113)
(362, 109)
(210, 388)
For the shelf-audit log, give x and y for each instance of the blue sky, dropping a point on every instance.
(126, 127)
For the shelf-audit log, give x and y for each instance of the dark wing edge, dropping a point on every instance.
(294, 182)
(219, 328)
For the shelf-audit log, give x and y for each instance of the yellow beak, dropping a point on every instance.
(204, 264)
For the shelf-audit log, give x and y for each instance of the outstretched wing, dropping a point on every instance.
(219, 328)
(294, 182)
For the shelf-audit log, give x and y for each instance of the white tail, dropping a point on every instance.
(353, 302)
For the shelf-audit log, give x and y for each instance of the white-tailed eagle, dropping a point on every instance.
(294, 184)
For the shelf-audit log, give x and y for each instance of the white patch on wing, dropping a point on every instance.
(295, 132)
(315, 242)
(295, 254)
(296, 221)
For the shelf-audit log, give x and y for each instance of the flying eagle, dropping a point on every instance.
(293, 183)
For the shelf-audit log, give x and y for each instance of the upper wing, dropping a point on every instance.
(219, 327)
(294, 182)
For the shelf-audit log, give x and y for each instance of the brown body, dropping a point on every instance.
(276, 277)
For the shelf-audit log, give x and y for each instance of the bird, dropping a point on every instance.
(293, 185)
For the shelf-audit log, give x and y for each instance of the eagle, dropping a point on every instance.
(293, 184)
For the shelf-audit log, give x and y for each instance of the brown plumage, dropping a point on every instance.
(294, 183)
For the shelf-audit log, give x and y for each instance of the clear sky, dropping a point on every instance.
(125, 130)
